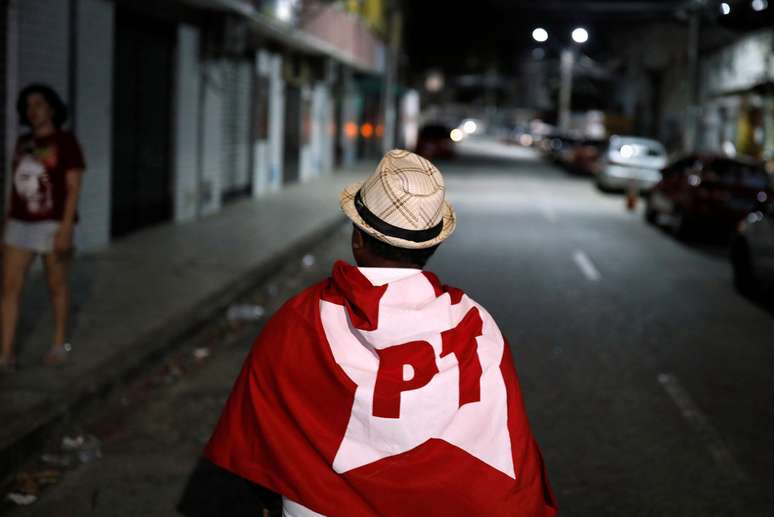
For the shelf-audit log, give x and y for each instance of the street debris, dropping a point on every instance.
(308, 260)
(168, 374)
(57, 460)
(85, 448)
(245, 312)
(201, 353)
(27, 486)
(20, 499)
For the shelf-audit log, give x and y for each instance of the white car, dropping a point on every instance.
(631, 162)
(752, 253)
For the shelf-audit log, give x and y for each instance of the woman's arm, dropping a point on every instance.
(63, 241)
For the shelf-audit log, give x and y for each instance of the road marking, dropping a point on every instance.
(701, 424)
(586, 266)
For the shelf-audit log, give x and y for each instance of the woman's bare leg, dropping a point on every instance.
(16, 263)
(58, 275)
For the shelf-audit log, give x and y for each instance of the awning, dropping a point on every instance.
(287, 35)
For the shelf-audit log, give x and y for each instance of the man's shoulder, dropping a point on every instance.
(303, 307)
(456, 294)
(292, 331)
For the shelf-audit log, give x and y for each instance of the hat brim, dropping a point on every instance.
(347, 201)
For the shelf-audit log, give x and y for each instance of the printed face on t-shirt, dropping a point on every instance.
(33, 185)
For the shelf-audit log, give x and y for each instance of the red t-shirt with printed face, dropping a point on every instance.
(40, 168)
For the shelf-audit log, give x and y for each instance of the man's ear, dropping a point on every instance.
(357, 238)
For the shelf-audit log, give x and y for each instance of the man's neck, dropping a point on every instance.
(389, 264)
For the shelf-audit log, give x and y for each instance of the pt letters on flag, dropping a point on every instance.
(382, 392)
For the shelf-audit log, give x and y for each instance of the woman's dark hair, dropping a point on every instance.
(50, 96)
(416, 257)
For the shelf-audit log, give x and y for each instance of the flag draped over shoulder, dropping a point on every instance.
(382, 392)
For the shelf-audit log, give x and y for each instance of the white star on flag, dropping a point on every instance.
(431, 410)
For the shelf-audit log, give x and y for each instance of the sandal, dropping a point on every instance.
(7, 364)
(59, 354)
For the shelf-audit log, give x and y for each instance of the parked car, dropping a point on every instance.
(752, 253)
(434, 141)
(707, 190)
(561, 149)
(586, 156)
(630, 161)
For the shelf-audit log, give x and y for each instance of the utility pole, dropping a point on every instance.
(692, 119)
(393, 39)
(566, 64)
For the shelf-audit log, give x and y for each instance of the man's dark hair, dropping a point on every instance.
(51, 98)
(416, 257)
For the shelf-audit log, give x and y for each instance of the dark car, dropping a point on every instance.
(707, 191)
(587, 155)
(434, 141)
(752, 253)
(560, 148)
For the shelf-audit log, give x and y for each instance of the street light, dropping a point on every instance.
(725, 8)
(580, 35)
(566, 64)
(540, 35)
(759, 5)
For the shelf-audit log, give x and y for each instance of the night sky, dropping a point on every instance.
(467, 37)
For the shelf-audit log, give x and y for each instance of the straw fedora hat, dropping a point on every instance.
(402, 203)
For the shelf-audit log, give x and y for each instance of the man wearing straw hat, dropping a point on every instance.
(381, 391)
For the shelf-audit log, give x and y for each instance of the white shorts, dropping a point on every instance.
(37, 236)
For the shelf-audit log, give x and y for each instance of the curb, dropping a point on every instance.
(131, 357)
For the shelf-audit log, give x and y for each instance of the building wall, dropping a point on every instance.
(44, 27)
(69, 44)
(739, 66)
(267, 158)
(212, 134)
(260, 145)
(323, 128)
(11, 58)
(236, 130)
(187, 119)
(319, 156)
(331, 23)
(93, 119)
(4, 69)
(307, 148)
(350, 119)
(276, 124)
(733, 118)
(676, 95)
(666, 57)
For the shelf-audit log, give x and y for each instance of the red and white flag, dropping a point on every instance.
(382, 392)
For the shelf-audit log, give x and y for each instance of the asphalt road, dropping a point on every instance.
(646, 376)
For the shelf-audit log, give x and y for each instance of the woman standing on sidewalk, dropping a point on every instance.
(47, 168)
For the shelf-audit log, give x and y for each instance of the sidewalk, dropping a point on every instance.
(132, 299)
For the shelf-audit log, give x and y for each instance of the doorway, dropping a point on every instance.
(292, 146)
(142, 122)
